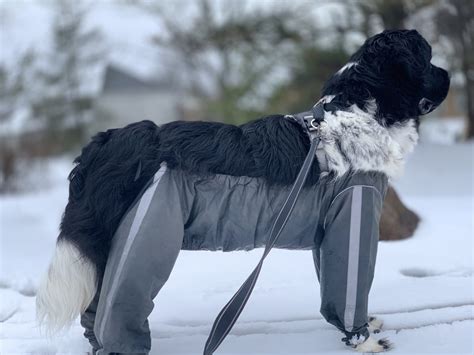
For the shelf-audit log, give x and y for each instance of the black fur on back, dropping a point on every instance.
(102, 186)
(104, 182)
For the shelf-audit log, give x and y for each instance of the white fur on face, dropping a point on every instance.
(405, 134)
(354, 140)
(67, 290)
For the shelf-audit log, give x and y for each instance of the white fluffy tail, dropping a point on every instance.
(67, 289)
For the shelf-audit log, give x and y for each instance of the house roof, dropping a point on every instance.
(119, 80)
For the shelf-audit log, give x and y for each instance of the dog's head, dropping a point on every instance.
(394, 69)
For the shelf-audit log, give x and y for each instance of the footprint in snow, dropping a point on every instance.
(421, 272)
(25, 286)
(9, 305)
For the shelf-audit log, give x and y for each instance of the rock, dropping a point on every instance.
(397, 221)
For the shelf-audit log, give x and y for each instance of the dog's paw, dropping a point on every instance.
(372, 345)
(375, 325)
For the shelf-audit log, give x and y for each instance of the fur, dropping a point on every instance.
(394, 68)
(354, 140)
(67, 289)
(345, 67)
(378, 92)
(375, 325)
(372, 345)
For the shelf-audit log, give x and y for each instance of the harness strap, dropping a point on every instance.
(231, 311)
(310, 120)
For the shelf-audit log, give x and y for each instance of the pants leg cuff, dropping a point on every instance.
(357, 337)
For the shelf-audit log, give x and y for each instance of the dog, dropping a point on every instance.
(371, 117)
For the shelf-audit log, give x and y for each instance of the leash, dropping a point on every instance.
(227, 317)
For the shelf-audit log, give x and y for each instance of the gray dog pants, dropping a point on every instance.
(338, 220)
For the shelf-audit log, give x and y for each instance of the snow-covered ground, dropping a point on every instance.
(423, 287)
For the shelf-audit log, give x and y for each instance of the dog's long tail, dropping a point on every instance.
(109, 174)
(67, 289)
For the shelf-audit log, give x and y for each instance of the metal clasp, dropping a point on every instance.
(314, 125)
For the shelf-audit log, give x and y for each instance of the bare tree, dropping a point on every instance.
(231, 53)
(65, 100)
(14, 102)
(45, 98)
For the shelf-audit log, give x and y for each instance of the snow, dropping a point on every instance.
(446, 130)
(423, 287)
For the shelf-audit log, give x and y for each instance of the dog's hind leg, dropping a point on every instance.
(88, 321)
(143, 253)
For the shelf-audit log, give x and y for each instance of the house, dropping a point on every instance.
(126, 98)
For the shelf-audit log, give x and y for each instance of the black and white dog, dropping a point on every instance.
(377, 100)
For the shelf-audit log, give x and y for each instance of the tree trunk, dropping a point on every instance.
(465, 37)
(397, 221)
(8, 165)
(469, 97)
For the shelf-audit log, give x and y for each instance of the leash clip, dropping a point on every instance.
(310, 120)
(314, 125)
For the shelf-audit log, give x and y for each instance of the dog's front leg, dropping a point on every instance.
(346, 259)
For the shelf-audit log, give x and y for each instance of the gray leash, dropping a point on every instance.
(231, 311)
